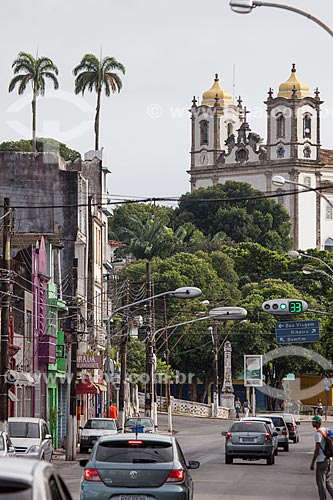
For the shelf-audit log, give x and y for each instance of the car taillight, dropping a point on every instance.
(228, 435)
(176, 476)
(284, 432)
(134, 441)
(268, 435)
(91, 475)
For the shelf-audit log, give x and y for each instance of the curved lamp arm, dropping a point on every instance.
(249, 5)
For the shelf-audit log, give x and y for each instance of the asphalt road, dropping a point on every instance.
(289, 478)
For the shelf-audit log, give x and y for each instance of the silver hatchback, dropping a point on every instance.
(249, 440)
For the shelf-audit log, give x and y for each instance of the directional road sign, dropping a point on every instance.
(289, 332)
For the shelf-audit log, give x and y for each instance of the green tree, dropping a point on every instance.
(238, 211)
(42, 144)
(95, 74)
(35, 71)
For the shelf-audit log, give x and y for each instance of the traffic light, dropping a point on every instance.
(285, 306)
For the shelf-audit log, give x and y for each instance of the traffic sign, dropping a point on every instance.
(289, 332)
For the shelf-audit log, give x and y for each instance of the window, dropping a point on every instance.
(307, 181)
(129, 451)
(307, 152)
(280, 152)
(230, 129)
(329, 245)
(280, 125)
(203, 132)
(329, 212)
(280, 197)
(52, 324)
(307, 126)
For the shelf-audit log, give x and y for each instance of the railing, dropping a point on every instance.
(184, 407)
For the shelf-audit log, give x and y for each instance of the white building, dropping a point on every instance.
(224, 148)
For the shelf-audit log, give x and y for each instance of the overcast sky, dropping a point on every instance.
(171, 51)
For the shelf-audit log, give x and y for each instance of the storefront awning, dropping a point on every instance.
(20, 378)
(84, 386)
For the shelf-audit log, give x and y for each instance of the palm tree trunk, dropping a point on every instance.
(33, 105)
(98, 107)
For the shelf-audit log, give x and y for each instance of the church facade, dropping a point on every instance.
(291, 165)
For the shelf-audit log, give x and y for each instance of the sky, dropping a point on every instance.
(171, 51)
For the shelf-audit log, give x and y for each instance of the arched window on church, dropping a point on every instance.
(230, 129)
(280, 126)
(280, 197)
(203, 132)
(329, 212)
(307, 126)
(329, 245)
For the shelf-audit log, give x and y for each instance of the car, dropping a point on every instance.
(281, 428)
(6, 446)
(143, 424)
(31, 437)
(271, 427)
(30, 480)
(93, 429)
(292, 425)
(249, 440)
(126, 467)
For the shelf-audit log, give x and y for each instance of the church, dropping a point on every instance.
(291, 165)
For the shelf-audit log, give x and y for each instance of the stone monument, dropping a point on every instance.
(227, 397)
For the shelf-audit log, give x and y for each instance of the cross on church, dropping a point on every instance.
(239, 102)
(245, 113)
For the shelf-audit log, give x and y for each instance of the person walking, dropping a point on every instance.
(323, 464)
(246, 408)
(238, 407)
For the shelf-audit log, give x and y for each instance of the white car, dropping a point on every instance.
(6, 446)
(31, 437)
(93, 429)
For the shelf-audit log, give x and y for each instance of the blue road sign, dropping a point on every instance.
(289, 332)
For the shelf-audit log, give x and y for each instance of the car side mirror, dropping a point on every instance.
(156, 426)
(275, 433)
(224, 433)
(83, 462)
(193, 464)
(48, 436)
(298, 423)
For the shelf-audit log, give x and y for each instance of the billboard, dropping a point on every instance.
(253, 370)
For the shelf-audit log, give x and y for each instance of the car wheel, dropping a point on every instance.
(228, 459)
(286, 447)
(270, 460)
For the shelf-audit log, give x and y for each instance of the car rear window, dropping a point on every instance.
(248, 427)
(15, 490)
(132, 422)
(23, 429)
(277, 421)
(289, 419)
(101, 424)
(134, 451)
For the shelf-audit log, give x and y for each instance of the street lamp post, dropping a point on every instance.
(279, 181)
(180, 293)
(294, 254)
(247, 6)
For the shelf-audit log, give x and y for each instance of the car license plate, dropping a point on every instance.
(132, 497)
(247, 440)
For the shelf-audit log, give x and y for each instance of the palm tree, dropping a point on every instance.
(94, 74)
(34, 71)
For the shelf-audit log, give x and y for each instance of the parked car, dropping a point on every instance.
(270, 425)
(125, 467)
(133, 423)
(249, 440)
(30, 480)
(281, 428)
(93, 429)
(31, 437)
(292, 425)
(6, 446)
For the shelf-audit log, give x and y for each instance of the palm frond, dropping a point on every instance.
(17, 79)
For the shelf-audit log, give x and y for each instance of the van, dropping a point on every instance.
(31, 437)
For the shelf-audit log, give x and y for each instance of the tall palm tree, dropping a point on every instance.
(94, 74)
(34, 71)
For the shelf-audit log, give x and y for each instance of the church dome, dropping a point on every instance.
(286, 89)
(208, 97)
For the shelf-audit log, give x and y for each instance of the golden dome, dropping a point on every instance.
(293, 83)
(208, 97)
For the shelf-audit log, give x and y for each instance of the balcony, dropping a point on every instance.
(47, 349)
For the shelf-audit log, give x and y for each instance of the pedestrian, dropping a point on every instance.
(113, 411)
(323, 464)
(246, 408)
(319, 407)
(238, 407)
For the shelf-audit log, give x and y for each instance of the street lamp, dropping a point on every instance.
(279, 181)
(190, 292)
(294, 254)
(247, 6)
(310, 270)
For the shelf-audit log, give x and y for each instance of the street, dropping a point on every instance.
(290, 478)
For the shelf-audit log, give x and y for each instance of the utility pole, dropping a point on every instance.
(149, 393)
(123, 360)
(215, 351)
(5, 288)
(167, 352)
(71, 422)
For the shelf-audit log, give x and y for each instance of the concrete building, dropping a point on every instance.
(224, 148)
